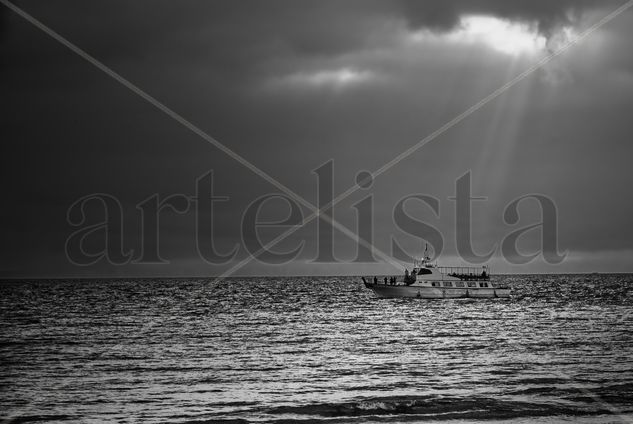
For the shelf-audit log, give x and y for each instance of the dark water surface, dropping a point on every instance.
(315, 349)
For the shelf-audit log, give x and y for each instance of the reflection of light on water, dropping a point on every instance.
(317, 348)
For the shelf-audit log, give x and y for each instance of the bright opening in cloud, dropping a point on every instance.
(504, 36)
(512, 38)
(334, 78)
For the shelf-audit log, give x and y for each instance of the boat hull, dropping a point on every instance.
(396, 291)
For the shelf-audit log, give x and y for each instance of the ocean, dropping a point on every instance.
(314, 349)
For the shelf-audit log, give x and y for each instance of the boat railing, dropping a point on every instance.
(466, 272)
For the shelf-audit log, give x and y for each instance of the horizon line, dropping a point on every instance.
(110, 277)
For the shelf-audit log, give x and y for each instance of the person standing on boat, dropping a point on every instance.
(375, 280)
(409, 278)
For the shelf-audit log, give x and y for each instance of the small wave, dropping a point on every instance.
(433, 407)
(219, 421)
(38, 418)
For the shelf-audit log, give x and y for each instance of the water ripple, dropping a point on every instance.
(314, 349)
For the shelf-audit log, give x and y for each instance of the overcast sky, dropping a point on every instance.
(289, 85)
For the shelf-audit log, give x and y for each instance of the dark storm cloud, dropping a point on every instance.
(244, 27)
(248, 37)
(239, 27)
(547, 15)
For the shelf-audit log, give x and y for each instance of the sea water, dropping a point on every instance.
(315, 349)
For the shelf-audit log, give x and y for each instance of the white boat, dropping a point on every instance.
(429, 281)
